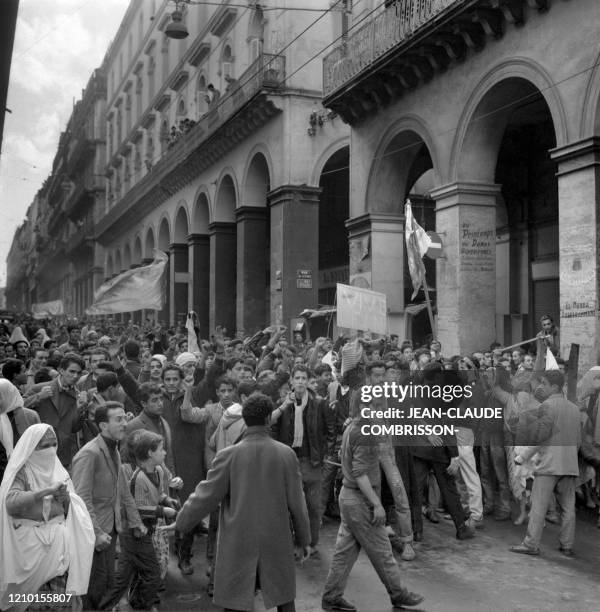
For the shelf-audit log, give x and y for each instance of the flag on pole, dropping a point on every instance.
(132, 290)
(417, 243)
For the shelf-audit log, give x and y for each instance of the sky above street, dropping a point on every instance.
(58, 43)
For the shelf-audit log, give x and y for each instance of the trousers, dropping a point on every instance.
(469, 484)
(102, 575)
(394, 480)
(447, 486)
(494, 473)
(356, 532)
(543, 489)
(311, 485)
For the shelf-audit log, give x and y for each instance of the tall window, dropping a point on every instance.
(181, 110)
(165, 58)
(141, 27)
(151, 71)
(130, 48)
(149, 152)
(138, 93)
(119, 128)
(256, 34)
(164, 135)
(226, 66)
(128, 113)
(201, 93)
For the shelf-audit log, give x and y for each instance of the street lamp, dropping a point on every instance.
(176, 28)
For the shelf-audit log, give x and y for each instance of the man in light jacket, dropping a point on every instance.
(556, 437)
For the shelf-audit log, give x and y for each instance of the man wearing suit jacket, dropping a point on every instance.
(101, 484)
(60, 409)
(556, 438)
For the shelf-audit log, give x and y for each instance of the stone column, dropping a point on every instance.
(178, 288)
(199, 272)
(466, 277)
(164, 314)
(579, 247)
(376, 242)
(222, 276)
(146, 313)
(252, 264)
(294, 251)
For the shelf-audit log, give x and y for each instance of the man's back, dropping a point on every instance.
(559, 437)
(258, 484)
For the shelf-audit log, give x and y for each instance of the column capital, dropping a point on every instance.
(375, 222)
(177, 247)
(194, 239)
(285, 193)
(466, 193)
(221, 227)
(577, 155)
(257, 213)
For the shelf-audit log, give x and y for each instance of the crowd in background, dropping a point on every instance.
(108, 428)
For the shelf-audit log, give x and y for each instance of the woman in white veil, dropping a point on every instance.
(46, 534)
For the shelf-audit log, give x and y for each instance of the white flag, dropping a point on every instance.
(551, 361)
(132, 290)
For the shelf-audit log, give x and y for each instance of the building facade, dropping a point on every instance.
(495, 103)
(54, 255)
(220, 154)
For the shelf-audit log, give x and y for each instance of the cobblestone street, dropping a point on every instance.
(472, 576)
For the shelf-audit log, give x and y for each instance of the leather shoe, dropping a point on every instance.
(186, 567)
(407, 599)
(432, 515)
(337, 605)
(525, 550)
(567, 552)
(465, 532)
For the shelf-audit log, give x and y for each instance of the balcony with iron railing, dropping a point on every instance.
(193, 150)
(406, 43)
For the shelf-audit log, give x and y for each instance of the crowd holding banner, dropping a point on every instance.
(132, 433)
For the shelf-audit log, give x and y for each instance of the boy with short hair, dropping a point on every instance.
(139, 558)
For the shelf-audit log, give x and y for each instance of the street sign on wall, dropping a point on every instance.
(435, 248)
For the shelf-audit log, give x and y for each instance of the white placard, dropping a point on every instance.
(361, 309)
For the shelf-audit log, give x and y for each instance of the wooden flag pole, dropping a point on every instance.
(507, 348)
(429, 309)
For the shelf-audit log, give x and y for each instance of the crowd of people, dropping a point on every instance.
(124, 444)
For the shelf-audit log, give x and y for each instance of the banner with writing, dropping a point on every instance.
(42, 310)
(361, 309)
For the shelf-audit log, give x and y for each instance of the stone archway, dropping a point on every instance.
(149, 246)
(499, 220)
(179, 267)
(223, 256)
(376, 238)
(199, 261)
(253, 247)
(164, 240)
(334, 207)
